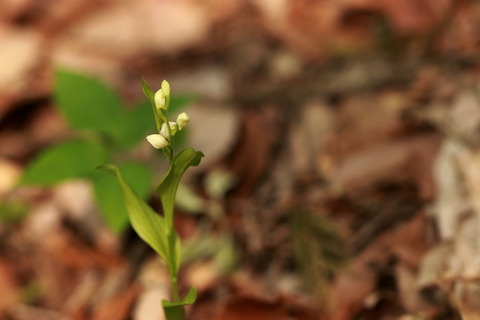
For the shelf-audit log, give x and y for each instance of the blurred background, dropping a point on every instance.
(341, 178)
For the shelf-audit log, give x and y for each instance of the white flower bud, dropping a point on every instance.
(160, 100)
(182, 120)
(166, 88)
(162, 96)
(157, 141)
(164, 130)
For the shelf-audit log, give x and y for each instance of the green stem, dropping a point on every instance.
(175, 294)
(168, 152)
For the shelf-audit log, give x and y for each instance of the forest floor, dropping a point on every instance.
(341, 175)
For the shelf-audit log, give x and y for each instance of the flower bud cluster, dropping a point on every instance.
(168, 128)
(162, 96)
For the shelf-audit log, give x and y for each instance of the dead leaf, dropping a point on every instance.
(24, 312)
(409, 159)
(155, 288)
(158, 26)
(8, 287)
(20, 55)
(247, 307)
(250, 158)
(413, 16)
(12, 9)
(241, 308)
(119, 307)
(213, 130)
(352, 286)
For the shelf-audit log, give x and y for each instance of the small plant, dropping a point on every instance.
(158, 231)
(104, 130)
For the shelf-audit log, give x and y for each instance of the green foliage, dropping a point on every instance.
(107, 127)
(134, 124)
(219, 247)
(12, 211)
(87, 104)
(64, 161)
(158, 231)
(169, 185)
(175, 310)
(168, 189)
(177, 103)
(146, 222)
(108, 192)
(31, 292)
(97, 112)
(151, 97)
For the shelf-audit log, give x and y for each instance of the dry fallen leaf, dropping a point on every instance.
(240, 308)
(351, 287)
(119, 306)
(213, 130)
(21, 53)
(409, 159)
(8, 287)
(148, 25)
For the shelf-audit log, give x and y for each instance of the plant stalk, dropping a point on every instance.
(174, 283)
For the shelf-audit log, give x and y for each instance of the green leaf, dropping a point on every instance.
(135, 125)
(188, 200)
(148, 92)
(151, 97)
(86, 103)
(168, 190)
(63, 161)
(189, 299)
(169, 185)
(147, 223)
(12, 210)
(175, 310)
(108, 192)
(177, 102)
(180, 137)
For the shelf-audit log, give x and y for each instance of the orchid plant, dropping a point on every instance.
(156, 230)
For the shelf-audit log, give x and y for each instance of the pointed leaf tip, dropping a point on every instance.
(145, 221)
